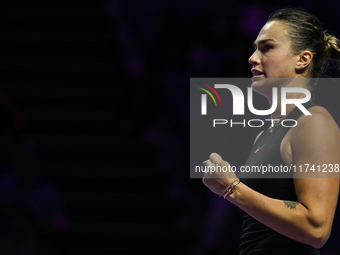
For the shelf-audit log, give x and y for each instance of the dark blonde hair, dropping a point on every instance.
(306, 33)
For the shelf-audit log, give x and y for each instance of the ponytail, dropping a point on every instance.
(306, 33)
(332, 47)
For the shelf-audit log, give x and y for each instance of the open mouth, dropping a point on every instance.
(257, 73)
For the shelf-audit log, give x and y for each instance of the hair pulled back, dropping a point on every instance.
(306, 33)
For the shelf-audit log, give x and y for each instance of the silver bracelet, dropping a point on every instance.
(222, 194)
(230, 191)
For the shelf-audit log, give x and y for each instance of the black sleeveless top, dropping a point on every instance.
(256, 238)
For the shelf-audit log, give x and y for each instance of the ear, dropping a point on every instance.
(304, 59)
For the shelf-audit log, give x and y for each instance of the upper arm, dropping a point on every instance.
(316, 140)
(316, 143)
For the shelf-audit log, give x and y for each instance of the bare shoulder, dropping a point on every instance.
(319, 111)
(320, 120)
(316, 136)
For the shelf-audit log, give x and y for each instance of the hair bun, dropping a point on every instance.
(332, 46)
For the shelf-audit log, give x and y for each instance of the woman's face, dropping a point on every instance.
(273, 56)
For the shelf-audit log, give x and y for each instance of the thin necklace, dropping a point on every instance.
(276, 122)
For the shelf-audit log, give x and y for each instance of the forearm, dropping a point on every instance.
(289, 218)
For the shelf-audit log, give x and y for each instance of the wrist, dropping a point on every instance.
(230, 188)
(235, 195)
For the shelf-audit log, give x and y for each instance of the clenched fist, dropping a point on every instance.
(218, 178)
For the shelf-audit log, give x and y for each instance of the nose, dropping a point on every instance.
(254, 60)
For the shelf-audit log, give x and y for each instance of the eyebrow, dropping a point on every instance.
(262, 42)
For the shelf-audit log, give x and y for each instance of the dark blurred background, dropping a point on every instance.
(94, 123)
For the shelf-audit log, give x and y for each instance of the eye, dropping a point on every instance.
(267, 48)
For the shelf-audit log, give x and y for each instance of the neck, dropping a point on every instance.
(297, 83)
(277, 114)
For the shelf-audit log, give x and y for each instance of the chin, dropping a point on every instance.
(264, 86)
(259, 85)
